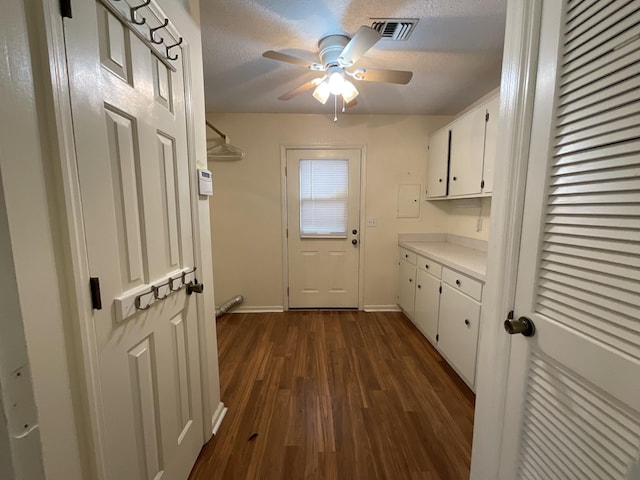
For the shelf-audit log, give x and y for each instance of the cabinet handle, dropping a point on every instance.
(410, 280)
(458, 283)
(455, 178)
(419, 286)
(467, 322)
(440, 180)
(426, 266)
(406, 256)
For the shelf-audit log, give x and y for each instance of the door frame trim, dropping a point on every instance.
(517, 91)
(75, 267)
(285, 218)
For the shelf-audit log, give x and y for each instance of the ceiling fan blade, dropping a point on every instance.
(301, 89)
(285, 57)
(363, 40)
(388, 76)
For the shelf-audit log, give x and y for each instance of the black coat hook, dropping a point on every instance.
(172, 46)
(133, 10)
(152, 32)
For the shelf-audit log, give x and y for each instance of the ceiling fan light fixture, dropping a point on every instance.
(349, 91)
(322, 92)
(336, 83)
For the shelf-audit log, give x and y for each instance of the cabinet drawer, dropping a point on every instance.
(430, 266)
(408, 256)
(463, 283)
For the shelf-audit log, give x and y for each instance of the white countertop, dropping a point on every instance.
(463, 259)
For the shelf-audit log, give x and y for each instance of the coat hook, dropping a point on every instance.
(133, 11)
(170, 47)
(152, 32)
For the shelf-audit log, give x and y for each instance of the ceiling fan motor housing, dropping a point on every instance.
(330, 49)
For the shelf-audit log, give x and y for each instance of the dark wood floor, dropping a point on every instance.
(336, 395)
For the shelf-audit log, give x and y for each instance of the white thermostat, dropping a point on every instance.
(205, 182)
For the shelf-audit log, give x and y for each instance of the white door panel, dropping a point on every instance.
(573, 398)
(323, 265)
(131, 142)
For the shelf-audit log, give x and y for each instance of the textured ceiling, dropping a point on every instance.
(455, 53)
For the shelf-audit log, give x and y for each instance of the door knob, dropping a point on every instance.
(354, 231)
(522, 325)
(354, 241)
(195, 287)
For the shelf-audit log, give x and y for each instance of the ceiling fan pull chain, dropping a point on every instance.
(335, 108)
(344, 105)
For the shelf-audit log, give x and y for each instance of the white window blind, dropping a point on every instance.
(324, 195)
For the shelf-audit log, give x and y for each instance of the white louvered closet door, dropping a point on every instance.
(573, 403)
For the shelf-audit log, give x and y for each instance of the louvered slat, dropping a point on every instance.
(610, 153)
(579, 11)
(579, 431)
(595, 110)
(623, 166)
(612, 258)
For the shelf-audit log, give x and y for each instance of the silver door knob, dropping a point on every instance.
(522, 325)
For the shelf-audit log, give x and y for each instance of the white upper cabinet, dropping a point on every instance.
(467, 153)
(462, 154)
(438, 164)
(490, 143)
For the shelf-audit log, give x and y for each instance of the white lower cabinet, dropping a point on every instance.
(427, 304)
(458, 331)
(444, 305)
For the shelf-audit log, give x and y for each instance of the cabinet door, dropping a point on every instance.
(490, 143)
(427, 304)
(467, 152)
(438, 164)
(406, 288)
(458, 331)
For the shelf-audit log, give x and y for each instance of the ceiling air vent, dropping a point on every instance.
(394, 28)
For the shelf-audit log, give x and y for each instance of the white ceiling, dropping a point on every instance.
(455, 53)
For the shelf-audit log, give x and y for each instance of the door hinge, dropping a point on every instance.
(440, 289)
(437, 337)
(287, 233)
(65, 9)
(287, 291)
(482, 184)
(510, 315)
(96, 299)
(285, 170)
(486, 117)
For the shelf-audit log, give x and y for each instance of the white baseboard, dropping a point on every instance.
(218, 416)
(382, 308)
(258, 309)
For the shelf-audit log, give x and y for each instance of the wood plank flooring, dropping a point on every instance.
(336, 395)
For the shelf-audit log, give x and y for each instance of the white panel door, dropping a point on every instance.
(323, 208)
(573, 403)
(130, 131)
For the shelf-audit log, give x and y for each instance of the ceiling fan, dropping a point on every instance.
(338, 55)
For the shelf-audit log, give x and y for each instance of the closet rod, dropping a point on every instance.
(215, 129)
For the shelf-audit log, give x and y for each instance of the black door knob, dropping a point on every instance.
(354, 231)
(354, 241)
(522, 325)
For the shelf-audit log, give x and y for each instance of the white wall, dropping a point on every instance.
(246, 211)
(469, 218)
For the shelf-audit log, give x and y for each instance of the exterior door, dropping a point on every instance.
(573, 399)
(323, 207)
(129, 118)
